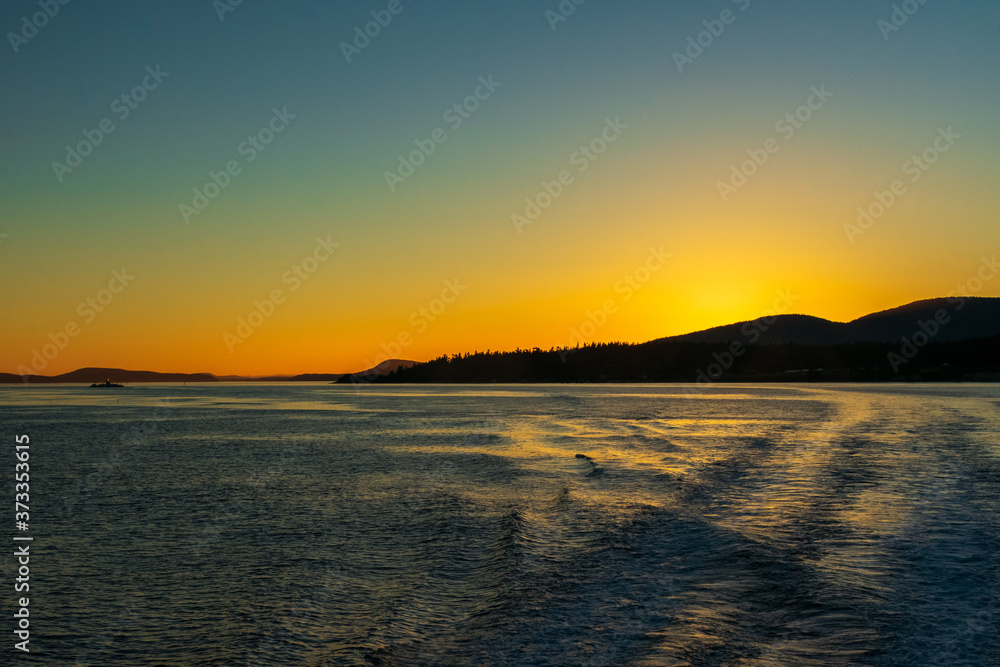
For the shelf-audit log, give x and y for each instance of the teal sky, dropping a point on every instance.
(325, 173)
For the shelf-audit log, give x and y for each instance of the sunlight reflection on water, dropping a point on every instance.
(607, 525)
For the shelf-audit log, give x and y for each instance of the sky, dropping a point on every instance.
(259, 188)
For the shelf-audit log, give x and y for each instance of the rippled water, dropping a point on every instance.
(326, 525)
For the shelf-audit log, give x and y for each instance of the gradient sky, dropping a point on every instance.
(323, 176)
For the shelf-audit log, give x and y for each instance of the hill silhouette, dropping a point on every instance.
(968, 317)
(91, 375)
(954, 339)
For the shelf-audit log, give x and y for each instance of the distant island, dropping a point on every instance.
(954, 339)
(107, 384)
(98, 376)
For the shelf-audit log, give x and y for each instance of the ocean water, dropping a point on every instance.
(620, 525)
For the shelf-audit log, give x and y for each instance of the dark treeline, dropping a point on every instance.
(675, 361)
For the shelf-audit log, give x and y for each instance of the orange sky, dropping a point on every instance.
(748, 168)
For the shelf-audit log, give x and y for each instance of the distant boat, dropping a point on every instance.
(107, 384)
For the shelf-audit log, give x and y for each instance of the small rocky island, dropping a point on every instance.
(107, 384)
